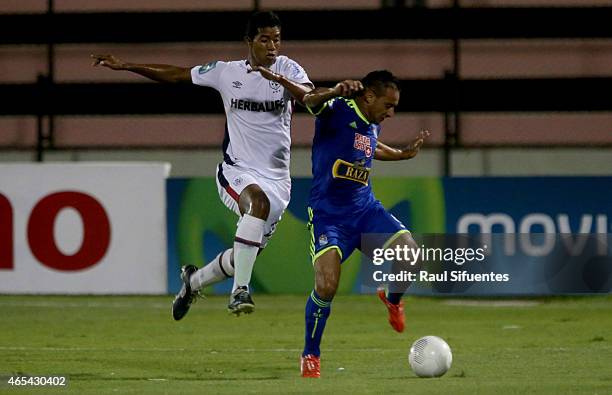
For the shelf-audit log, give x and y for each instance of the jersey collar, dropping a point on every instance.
(352, 104)
(247, 64)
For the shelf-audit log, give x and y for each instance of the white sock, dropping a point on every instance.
(216, 270)
(246, 245)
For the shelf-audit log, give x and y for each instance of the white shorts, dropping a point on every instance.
(231, 181)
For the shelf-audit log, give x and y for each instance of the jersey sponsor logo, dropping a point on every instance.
(363, 143)
(351, 171)
(267, 106)
(207, 67)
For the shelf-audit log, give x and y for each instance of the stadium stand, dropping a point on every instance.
(486, 85)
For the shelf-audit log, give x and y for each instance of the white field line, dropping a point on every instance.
(153, 349)
(158, 305)
(492, 303)
(76, 304)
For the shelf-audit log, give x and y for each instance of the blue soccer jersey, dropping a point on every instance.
(342, 206)
(342, 153)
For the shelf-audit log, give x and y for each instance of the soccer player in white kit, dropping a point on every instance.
(253, 179)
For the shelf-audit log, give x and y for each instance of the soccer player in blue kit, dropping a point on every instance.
(342, 205)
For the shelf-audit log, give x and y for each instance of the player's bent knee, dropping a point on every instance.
(255, 202)
(326, 289)
(407, 240)
(327, 274)
(261, 204)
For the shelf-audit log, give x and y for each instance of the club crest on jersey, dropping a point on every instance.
(275, 86)
(362, 143)
(351, 171)
(323, 239)
(207, 67)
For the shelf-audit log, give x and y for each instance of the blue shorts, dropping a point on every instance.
(344, 234)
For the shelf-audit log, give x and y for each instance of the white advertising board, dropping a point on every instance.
(83, 228)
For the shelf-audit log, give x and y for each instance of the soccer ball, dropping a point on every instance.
(430, 356)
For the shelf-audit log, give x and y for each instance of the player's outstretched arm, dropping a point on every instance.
(306, 94)
(297, 90)
(318, 96)
(156, 72)
(384, 152)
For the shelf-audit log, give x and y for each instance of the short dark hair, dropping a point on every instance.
(260, 20)
(379, 80)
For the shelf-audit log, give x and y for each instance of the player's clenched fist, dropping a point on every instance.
(347, 87)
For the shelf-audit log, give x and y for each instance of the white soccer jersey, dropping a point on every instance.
(258, 112)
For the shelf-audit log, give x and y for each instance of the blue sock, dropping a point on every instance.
(394, 297)
(317, 311)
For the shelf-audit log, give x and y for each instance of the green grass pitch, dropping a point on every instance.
(131, 345)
